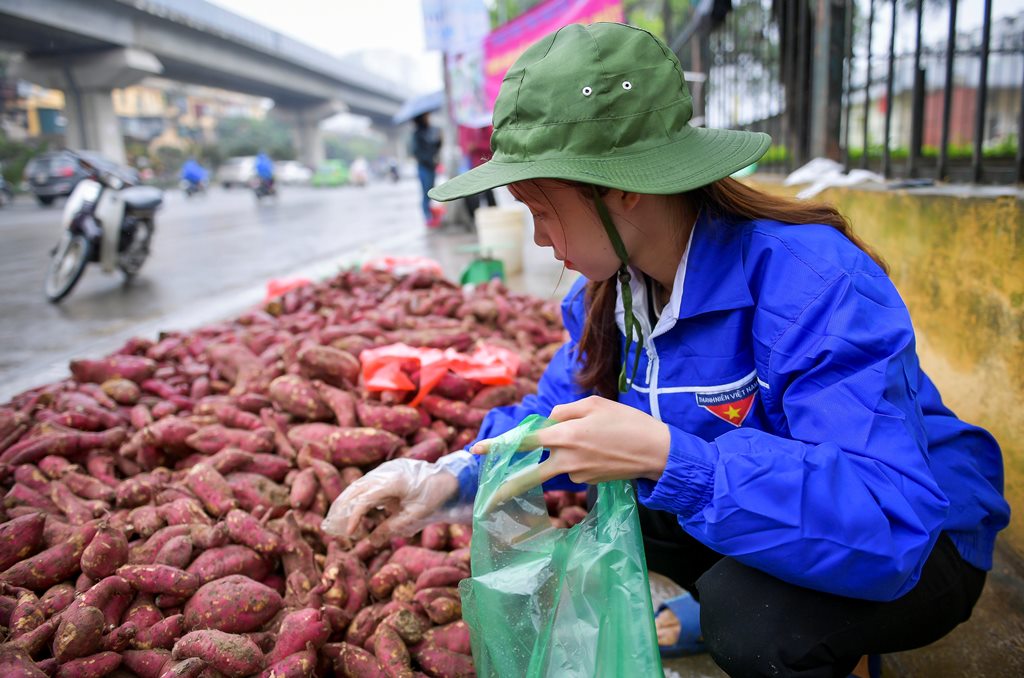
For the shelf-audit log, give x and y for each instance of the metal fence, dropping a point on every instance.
(917, 89)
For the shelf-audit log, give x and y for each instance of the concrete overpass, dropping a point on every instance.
(89, 47)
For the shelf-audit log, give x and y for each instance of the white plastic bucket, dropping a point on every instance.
(500, 233)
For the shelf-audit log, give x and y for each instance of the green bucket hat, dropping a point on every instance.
(604, 104)
(607, 105)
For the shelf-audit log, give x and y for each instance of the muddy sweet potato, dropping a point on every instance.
(453, 411)
(332, 365)
(444, 575)
(93, 666)
(177, 552)
(123, 391)
(300, 496)
(391, 652)
(20, 538)
(245, 530)
(296, 396)
(214, 438)
(79, 633)
(416, 559)
(235, 604)
(401, 420)
(300, 629)
(353, 661)
(192, 667)
(453, 637)
(133, 368)
(361, 446)
(211, 488)
(51, 566)
(386, 579)
(440, 663)
(160, 579)
(107, 551)
(17, 663)
(146, 663)
(341, 403)
(429, 450)
(252, 490)
(143, 612)
(160, 635)
(233, 655)
(227, 560)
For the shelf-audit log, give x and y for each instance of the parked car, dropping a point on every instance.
(331, 173)
(238, 171)
(292, 172)
(55, 174)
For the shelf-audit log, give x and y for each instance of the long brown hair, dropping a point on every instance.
(725, 200)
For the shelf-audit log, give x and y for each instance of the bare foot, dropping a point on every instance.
(668, 628)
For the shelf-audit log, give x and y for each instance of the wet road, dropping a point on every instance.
(212, 257)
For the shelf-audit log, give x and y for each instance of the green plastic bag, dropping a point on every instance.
(545, 601)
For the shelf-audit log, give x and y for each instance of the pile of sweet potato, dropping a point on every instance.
(162, 507)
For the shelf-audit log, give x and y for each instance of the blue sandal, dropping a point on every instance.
(690, 641)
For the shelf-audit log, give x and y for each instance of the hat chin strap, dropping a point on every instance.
(632, 325)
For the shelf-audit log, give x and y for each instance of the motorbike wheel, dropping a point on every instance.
(66, 266)
(131, 260)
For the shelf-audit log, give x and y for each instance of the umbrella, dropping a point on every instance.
(425, 103)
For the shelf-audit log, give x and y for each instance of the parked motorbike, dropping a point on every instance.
(263, 188)
(106, 220)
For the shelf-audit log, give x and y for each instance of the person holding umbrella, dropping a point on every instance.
(425, 146)
(745, 359)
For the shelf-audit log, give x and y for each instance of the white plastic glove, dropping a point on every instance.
(415, 493)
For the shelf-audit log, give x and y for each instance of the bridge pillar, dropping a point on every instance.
(306, 134)
(87, 81)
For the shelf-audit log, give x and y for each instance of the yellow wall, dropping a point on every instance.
(959, 264)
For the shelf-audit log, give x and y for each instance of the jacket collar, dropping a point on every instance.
(710, 271)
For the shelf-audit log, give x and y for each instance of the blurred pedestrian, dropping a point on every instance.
(476, 144)
(425, 146)
(193, 176)
(265, 168)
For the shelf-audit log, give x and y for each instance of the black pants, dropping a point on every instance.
(473, 201)
(757, 625)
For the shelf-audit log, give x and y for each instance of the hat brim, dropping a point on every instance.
(696, 158)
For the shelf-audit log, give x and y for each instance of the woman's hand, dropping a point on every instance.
(595, 440)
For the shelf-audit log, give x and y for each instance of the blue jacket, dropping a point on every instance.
(264, 166)
(806, 441)
(193, 171)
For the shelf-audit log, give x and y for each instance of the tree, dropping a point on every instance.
(249, 136)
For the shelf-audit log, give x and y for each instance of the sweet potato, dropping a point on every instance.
(454, 412)
(26, 615)
(211, 488)
(490, 397)
(20, 538)
(300, 664)
(93, 666)
(252, 490)
(208, 536)
(409, 626)
(435, 536)
(270, 465)
(169, 433)
(429, 450)
(364, 624)
(88, 487)
(51, 566)
(303, 490)
(77, 510)
(56, 599)
(123, 391)
(146, 663)
(246, 530)
(79, 633)
(133, 368)
(64, 443)
(300, 629)
(295, 395)
(444, 610)
(177, 552)
(235, 604)
(146, 520)
(119, 639)
(229, 415)
(145, 552)
(23, 495)
(229, 459)
(401, 420)
(440, 576)
(35, 640)
(16, 663)
(361, 446)
(143, 612)
(184, 511)
(453, 636)
(192, 667)
(440, 663)
(212, 439)
(160, 579)
(416, 559)
(356, 662)
(227, 560)
(160, 635)
(391, 652)
(459, 535)
(281, 442)
(233, 655)
(386, 579)
(38, 477)
(341, 403)
(329, 364)
(328, 478)
(107, 551)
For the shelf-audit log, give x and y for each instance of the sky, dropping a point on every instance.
(340, 27)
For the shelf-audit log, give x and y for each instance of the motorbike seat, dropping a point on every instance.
(142, 198)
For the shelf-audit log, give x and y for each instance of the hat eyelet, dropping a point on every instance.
(627, 85)
(587, 91)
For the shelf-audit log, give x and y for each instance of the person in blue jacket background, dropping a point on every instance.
(745, 359)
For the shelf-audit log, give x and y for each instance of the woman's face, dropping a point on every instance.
(565, 219)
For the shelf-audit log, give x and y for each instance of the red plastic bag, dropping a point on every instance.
(277, 287)
(383, 367)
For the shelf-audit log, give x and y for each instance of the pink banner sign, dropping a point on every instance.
(504, 45)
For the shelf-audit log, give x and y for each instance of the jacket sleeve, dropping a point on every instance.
(556, 386)
(845, 502)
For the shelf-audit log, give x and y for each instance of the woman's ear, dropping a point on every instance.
(630, 200)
